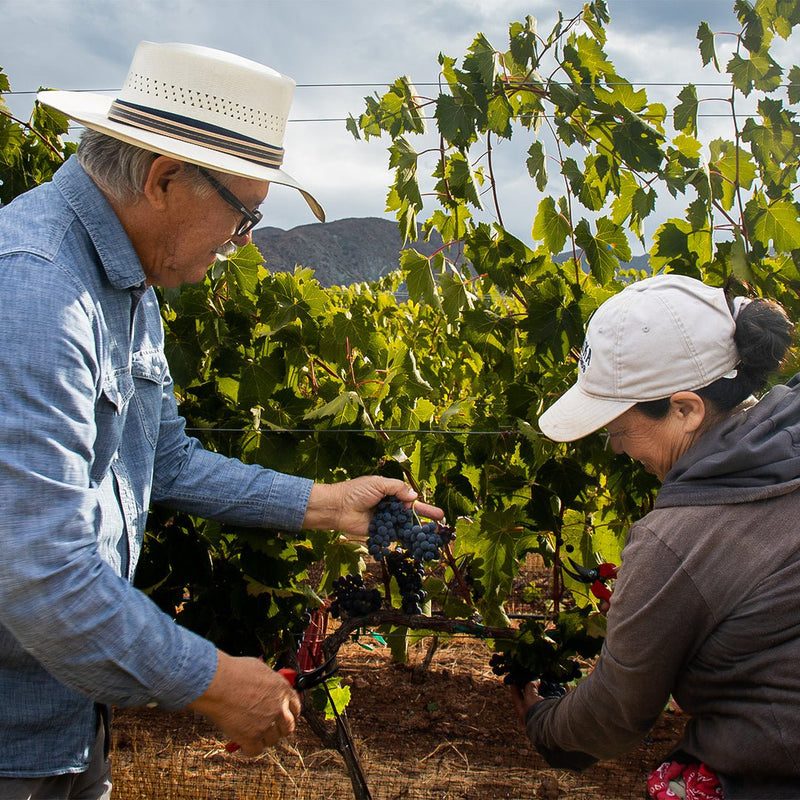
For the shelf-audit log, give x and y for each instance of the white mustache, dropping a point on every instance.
(225, 251)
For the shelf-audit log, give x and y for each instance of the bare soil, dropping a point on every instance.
(448, 731)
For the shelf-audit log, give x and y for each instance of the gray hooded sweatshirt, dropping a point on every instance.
(706, 608)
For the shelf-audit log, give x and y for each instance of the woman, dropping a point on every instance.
(706, 606)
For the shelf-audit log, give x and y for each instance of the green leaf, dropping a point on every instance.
(594, 16)
(536, 165)
(259, 380)
(351, 125)
(243, 269)
(564, 98)
(342, 557)
(462, 181)
(419, 278)
(752, 25)
(343, 410)
(550, 227)
(522, 41)
(456, 117)
(777, 222)
(586, 55)
(499, 116)
(492, 538)
(685, 113)
(638, 143)
(482, 61)
(739, 266)
(455, 296)
(759, 71)
(731, 168)
(794, 85)
(707, 50)
(621, 93)
(605, 250)
(336, 694)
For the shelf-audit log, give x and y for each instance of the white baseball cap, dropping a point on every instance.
(658, 336)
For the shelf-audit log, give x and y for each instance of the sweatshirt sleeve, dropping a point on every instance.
(656, 622)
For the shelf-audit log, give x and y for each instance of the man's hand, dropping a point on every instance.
(347, 506)
(251, 703)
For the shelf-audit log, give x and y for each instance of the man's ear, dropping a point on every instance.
(689, 410)
(161, 180)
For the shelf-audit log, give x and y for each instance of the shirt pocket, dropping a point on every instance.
(150, 373)
(111, 411)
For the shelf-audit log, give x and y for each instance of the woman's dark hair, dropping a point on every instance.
(762, 337)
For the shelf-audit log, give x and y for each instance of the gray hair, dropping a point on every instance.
(120, 169)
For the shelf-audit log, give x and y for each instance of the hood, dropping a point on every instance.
(753, 455)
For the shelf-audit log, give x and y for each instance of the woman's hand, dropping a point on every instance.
(525, 698)
(347, 506)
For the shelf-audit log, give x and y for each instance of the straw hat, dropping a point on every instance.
(658, 336)
(201, 105)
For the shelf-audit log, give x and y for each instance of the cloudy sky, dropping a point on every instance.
(338, 52)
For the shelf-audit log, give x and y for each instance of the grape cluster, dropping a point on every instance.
(393, 522)
(408, 573)
(517, 674)
(353, 599)
(423, 541)
(390, 522)
(513, 672)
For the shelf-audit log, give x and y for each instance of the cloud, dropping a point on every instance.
(88, 44)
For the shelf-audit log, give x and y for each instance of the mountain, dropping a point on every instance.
(349, 251)
(341, 252)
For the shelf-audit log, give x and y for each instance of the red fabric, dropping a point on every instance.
(310, 654)
(698, 781)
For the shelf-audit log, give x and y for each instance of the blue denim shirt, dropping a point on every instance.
(89, 435)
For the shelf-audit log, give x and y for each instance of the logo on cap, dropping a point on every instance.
(586, 356)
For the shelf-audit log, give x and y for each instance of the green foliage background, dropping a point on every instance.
(444, 388)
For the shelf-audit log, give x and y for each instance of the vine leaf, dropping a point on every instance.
(419, 278)
(343, 409)
(605, 250)
(794, 85)
(550, 226)
(707, 50)
(685, 113)
(536, 165)
(778, 222)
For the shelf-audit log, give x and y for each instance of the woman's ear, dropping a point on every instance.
(688, 409)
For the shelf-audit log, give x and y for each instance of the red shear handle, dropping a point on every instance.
(290, 676)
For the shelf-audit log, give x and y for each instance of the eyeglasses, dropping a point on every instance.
(250, 218)
(607, 437)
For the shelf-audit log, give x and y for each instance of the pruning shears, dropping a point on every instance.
(300, 681)
(596, 576)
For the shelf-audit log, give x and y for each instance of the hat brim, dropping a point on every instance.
(577, 414)
(91, 110)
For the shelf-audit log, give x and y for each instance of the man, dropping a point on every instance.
(168, 177)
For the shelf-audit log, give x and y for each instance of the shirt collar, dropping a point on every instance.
(117, 255)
